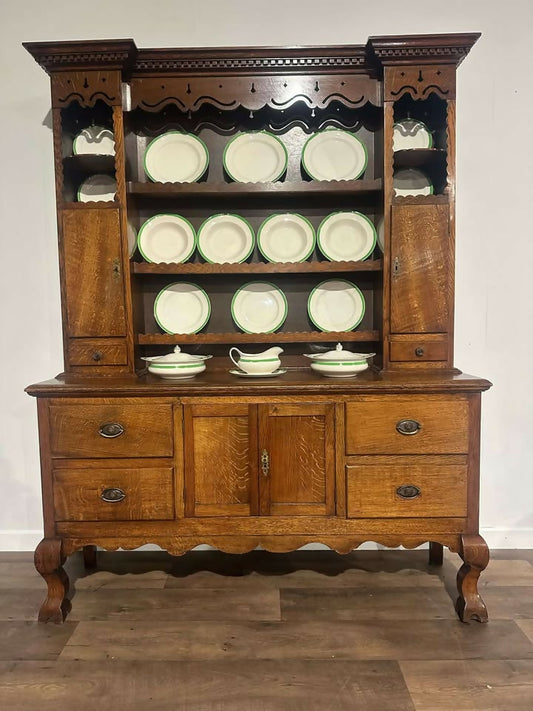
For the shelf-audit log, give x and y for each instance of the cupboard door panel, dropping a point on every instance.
(299, 441)
(421, 279)
(94, 289)
(220, 460)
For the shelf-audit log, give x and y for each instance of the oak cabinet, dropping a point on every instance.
(391, 455)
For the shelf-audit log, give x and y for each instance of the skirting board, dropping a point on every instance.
(495, 537)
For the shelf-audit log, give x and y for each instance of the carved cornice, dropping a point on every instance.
(93, 54)
(420, 49)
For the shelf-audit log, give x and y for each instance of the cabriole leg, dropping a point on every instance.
(475, 554)
(49, 561)
(436, 555)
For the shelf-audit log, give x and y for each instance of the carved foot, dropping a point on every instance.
(49, 560)
(475, 554)
(436, 555)
(89, 556)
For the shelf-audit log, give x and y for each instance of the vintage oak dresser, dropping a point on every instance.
(391, 455)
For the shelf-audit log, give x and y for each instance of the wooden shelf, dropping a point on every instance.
(257, 190)
(374, 265)
(96, 205)
(287, 337)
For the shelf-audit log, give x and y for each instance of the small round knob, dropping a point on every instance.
(97, 355)
(112, 496)
(419, 352)
(111, 430)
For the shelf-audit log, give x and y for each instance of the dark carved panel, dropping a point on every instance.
(419, 81)
(279, 92)
(86, 87)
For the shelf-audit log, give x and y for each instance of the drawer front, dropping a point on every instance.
(113, 494)
(407, 425)
(96, 352)
(111, 430)
(396, 491)
(418, 350)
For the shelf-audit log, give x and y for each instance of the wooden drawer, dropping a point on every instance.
(97, 351)
(418, 350)
(375, 491)
(440, 425)
(143, 429)
(78, 491)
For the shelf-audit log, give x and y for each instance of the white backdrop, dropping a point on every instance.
(494, 312)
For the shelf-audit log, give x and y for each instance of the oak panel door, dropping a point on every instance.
(297, 462)
(220, 460)
(421, 283)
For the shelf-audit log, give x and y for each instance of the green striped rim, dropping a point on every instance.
(166, 214)
(272, 286)
(332, 128)
(250, 133)
(345, 281)
(157, 138)
(229, 214)
(341, 212)
(339, 363)
(174, 365)
(199, 288)
(292, 214)
(257, 360)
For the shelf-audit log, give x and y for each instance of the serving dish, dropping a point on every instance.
(410, 133)
(258, 157)
(286, 238)
(225, 239)
(259, 307)
(166, 239)
(339, 363)
(97, 188)
(182, 307)
(257, 363)
(176, 157)
(336, 305)
(176, 365)
(346, 236)
(95, 140)
(409, 181)
(334, 154)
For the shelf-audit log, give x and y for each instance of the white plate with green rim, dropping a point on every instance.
(94, 140)
(176, 157)
(97, 188)
(381, 234)
(182, 308)
(132, 239)
(166, 239)
(334, 154)
(336, 305)
(411, 182)
(258, 157)
(225, 239)
(346, 236)
(259, 307)
(409, 133)
(286, 238)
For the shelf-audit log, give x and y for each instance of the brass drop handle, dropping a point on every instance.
(408, 491)
(112, 496)
(265, 462)
(111, 430)
(408, 427)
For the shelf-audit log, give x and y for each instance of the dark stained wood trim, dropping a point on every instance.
(420, 49)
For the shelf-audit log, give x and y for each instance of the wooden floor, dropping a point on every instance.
(374, 630)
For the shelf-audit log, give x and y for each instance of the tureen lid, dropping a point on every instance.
(177, 357)
(339, 354)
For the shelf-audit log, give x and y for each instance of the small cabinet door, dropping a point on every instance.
(297, 459)
(220, 459)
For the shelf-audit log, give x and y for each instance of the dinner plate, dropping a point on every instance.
(346, 236)
(97, 188)
(166, 239)
(182, 308)
(225, 238)
(242, 374)
(336, 305)
(334, 154)
(257, 157)
(381, 234)
(176, 157)
(411, 182)
(95, 140)
(409, 133)
(259, 307)
(286, 238)
(132, 239)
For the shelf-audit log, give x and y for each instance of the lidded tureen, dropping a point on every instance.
(339, 363)
(176, 365)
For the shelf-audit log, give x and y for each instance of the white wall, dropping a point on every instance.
(494, 253)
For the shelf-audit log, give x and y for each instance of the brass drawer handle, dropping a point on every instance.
(112, 496)
(111, 430)
(408, 427)
(265, 462)
(408, 491)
